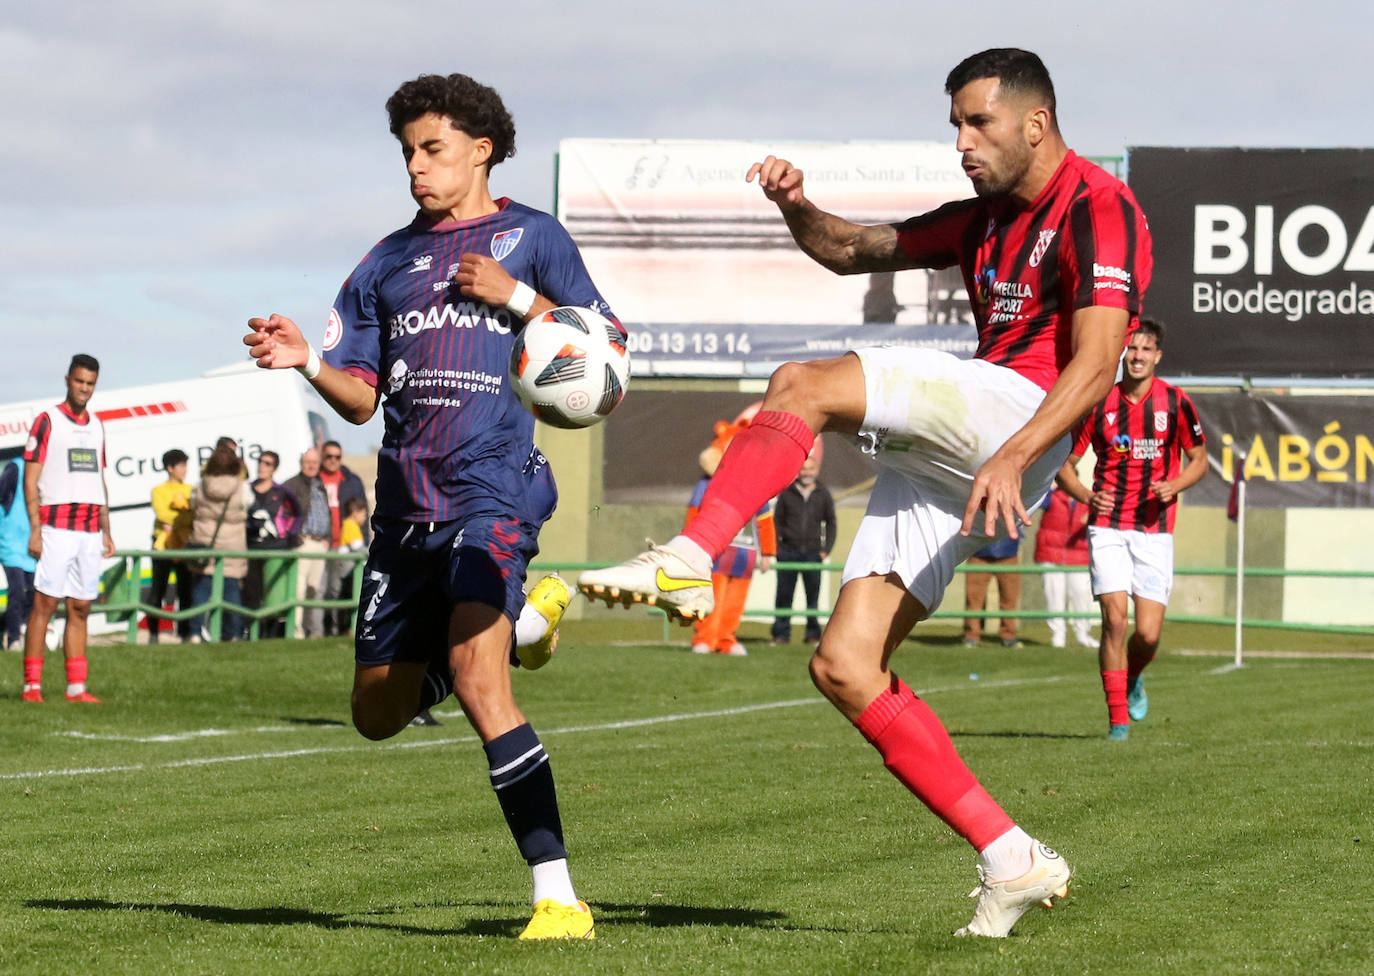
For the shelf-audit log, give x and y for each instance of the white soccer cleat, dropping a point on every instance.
(659, 578)
(1002, 903)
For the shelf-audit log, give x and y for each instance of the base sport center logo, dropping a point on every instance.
(1121, 443)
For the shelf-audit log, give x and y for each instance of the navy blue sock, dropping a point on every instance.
(437, 686)
(523, 782)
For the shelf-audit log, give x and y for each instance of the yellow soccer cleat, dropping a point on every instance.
(550, 597)
(555, 920)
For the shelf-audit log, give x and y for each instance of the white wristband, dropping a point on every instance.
(311, 369)
(522, 299)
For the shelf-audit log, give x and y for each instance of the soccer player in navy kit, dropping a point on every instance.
(1056, 255)
(425, 326)
(1138, 434)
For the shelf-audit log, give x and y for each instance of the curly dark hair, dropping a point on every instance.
(472, 106)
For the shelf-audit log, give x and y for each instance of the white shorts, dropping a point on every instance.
(931, 421)
(70, 564)
(1130, 561)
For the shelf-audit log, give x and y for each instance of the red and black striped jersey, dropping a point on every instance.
(1082, 242)
(1138, 444)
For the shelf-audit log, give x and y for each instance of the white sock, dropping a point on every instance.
(529, 629)
(75, 688)
(1009, 856)
(551, 880)
(692, 554)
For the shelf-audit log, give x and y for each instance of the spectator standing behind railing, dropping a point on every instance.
(1063, 541)
(1003, 552)
(316, 536)
(804, 516)
(172, 530)
(340, 571)
(14, 554)
(341, 486)
(219, 509)
(274, 520)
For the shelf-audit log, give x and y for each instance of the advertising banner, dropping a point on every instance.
(1264, 258)
(671, 232)
(1300, 452)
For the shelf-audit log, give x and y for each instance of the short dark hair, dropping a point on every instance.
(1018, 71)
(354, 504)
(83, 361)
(332, 444)
(276, 458)
(1151, 327)
(472, 106)
(170, 459)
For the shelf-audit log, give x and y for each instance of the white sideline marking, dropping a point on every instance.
(173, 736)
(455, 740)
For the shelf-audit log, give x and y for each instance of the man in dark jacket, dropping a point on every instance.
(314, 536)
(805, 519)
(342, 486)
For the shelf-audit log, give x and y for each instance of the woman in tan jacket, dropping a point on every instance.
(219, 512)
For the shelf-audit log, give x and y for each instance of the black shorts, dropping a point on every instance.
(416, 572)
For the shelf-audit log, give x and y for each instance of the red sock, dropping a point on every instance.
(76, 670)
(1114, 684)
(33, 671)
(917, 750)
(760, 462)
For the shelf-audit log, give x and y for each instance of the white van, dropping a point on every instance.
(264, 410)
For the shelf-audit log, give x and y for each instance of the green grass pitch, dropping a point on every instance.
(219, 815)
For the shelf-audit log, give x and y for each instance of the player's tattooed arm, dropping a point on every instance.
(832, 242)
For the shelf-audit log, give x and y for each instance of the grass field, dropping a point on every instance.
(218, 815)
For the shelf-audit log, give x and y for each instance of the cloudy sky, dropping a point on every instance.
(169, 169)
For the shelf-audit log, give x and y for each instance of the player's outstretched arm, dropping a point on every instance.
(832, 242)
(1098, 336)
(276, 343)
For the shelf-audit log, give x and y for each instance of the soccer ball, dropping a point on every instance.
(570, 367)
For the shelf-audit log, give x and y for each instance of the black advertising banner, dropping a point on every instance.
(1300, 452)
(1264, 258)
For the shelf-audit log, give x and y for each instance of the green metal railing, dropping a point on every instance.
(123, 583)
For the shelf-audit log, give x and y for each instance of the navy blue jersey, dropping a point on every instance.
(456, 440)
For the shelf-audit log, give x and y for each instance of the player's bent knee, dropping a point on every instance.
(838, 680)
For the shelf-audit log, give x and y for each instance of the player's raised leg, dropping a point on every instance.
(803, 399)
(536, 630)
(850, 667)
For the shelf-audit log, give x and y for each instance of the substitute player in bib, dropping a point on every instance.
(64, 489)
(1055, 255)
(424, 327)
(1138, 434)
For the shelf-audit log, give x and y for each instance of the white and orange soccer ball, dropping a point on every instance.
(570, 367)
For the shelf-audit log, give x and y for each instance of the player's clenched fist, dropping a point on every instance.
(780, 181)
(276, 343)
(484, 279)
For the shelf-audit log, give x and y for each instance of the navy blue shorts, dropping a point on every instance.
(417, 571)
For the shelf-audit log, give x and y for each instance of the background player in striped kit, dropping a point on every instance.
(69, 519)
(424, 326)
(1055, 254)
(1138, 433)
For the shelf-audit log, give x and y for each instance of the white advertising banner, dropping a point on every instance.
(672, 233)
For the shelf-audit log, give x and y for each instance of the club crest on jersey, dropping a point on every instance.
(1041, 246)
(1161, 421)
(503, 243)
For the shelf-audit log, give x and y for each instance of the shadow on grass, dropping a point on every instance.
(328, 723)
(650, 916)
(1020, 734)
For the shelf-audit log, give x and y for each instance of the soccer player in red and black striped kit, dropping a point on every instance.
(1055, 255)
(1139, 434)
